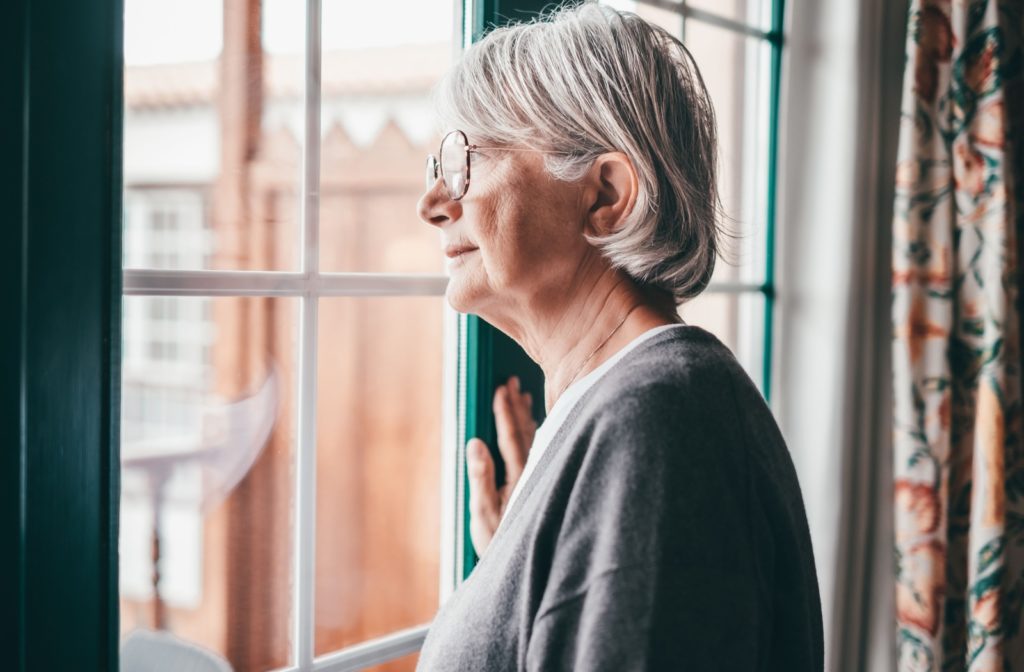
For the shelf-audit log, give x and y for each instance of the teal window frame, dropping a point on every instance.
(60, 185)
(488, 357)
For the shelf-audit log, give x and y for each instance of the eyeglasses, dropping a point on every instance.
(453, 168)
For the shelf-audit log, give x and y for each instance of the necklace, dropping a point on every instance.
(596, 350)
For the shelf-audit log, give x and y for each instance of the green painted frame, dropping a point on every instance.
(776, 39)
(60, 180)
(491, 357)
(14, 79)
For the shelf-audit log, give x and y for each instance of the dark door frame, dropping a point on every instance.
(60, 185)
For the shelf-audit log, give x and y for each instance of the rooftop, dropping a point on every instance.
(371, 71)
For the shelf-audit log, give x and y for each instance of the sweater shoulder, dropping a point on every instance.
(683, 387)
(682, 369)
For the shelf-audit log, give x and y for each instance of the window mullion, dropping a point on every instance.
(712, 19)
(736, 288)
(774, 93)
(150, 282)
(304, 558)
(374, 652)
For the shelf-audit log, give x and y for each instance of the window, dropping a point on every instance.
(165, 226)
(284, 333)
(293, 381)
(737, 45)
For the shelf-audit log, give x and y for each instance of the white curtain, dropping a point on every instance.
(842, 76)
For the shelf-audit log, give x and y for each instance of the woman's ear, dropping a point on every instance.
(610, 191)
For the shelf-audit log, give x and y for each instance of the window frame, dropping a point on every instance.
(488, 357)
(61, 183)
(308, 285)
(773, 36)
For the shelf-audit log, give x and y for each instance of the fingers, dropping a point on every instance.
(516, 428)
(484, 502)
(522, 406)
(524, 412)
(512, 442)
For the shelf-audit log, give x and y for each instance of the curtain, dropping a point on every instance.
(958, 451)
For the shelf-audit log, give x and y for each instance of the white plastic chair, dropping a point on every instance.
(153, 651)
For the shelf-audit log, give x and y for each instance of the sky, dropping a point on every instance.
(157, 31)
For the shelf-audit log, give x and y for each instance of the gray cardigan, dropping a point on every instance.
(663, 529)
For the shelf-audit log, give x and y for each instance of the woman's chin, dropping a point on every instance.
(460, 297)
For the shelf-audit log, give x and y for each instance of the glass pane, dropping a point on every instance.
(212, 137)
(380, 61)
(378, 467)
(403, 664)
(737, 319)
(671, 19)
(755, 13)
(735, 69)
(207, 450)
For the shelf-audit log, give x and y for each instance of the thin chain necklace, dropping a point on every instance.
(601, 345)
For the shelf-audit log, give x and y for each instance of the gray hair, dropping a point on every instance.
(589, 79)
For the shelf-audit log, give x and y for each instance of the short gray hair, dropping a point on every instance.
(588, 79)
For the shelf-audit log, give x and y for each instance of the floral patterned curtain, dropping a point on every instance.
(959, 456)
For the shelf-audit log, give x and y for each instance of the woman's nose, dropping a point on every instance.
(437, 207)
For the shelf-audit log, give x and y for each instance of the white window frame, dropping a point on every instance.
(309, 285)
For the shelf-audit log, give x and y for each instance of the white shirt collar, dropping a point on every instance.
(564, 404)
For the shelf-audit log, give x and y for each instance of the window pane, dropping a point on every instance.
(380, 61)
(669, 19)
(212, 137)
(735, 69)
(207, 451)
(737, 319)
(378, 467)
(755, 13)
(403, 664)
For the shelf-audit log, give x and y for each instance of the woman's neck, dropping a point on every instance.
(574, 336)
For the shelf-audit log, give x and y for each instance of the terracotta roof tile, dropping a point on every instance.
(380, 70)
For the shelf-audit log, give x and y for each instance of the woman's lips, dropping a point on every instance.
(455, 252)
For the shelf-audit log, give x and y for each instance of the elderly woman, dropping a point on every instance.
(655, 521)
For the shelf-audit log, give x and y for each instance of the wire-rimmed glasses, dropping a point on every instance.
(454, 165)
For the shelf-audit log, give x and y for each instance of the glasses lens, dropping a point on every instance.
(455, 163)
(431, 171)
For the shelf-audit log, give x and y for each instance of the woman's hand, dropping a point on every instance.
(516, 428)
